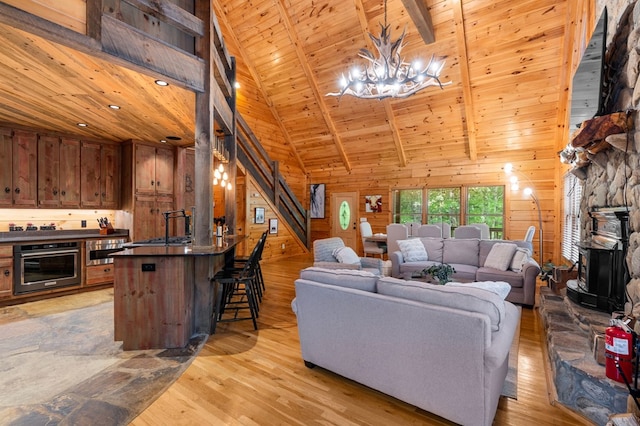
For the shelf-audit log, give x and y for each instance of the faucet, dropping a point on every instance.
(175, 214)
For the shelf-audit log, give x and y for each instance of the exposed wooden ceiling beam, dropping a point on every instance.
(258, 81)
(469, 110)
(419, 13)
(304, 63)
(364, 24)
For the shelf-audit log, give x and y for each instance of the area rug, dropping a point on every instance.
(66, 368)
(510, 387)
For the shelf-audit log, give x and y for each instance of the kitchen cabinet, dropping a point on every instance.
(153, 170)
(147, 189)
(6, 271)
(100, 179)
(99, 274)
(18, 177)
(58, 172)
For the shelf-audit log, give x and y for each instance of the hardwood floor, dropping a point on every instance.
(244, 377)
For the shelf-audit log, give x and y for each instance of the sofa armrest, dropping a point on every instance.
(335, 265)
(396, 260)
(530, 272)
(372, 262)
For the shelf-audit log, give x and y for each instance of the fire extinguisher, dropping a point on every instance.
(618, 345)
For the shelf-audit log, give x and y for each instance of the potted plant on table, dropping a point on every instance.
(441, 273)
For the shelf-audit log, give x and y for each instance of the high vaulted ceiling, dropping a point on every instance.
(504, 59)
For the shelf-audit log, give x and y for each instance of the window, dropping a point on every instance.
(407, 206)
(443, 205)
(485, 204)
(571, 223)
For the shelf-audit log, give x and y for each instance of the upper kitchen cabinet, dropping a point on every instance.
(19, 171)
(58, 172)
(153, 170)
(100, 175)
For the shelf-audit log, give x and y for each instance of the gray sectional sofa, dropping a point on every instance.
(468, 257)
(444, 349)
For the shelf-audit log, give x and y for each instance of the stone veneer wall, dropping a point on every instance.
(613, 177)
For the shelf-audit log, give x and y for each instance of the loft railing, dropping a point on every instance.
(266, 174)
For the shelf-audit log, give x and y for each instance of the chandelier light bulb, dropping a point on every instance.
(513, 179)
(528, 191)
(221, 168)
(229, 186)
(215, 181)
(223, 183)
(217, 174)
(225, 176)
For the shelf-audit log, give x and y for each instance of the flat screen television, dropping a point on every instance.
(586, 96)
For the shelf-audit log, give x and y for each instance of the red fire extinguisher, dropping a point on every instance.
(618, 345)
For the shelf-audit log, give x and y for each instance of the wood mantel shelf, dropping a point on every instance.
(591, 135)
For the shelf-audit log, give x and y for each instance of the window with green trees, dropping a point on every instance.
(485, 204)
(407, 205)
(480, 204)
(443, 205)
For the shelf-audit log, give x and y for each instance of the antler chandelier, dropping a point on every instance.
(388, 75)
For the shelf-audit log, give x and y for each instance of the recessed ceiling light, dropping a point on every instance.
(114, 106)
(163, 141)
(236, 85)
(161, 83)
(83, 125)
(174, 138)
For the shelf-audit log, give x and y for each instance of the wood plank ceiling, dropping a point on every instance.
(503, 57)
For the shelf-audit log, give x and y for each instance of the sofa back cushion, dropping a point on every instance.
(434, 247)
(359, 280)
(463, 298)
(464, 251)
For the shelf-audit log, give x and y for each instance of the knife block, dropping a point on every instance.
(107, 230)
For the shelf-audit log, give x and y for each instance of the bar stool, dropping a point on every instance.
(239, 263)
(235, 292)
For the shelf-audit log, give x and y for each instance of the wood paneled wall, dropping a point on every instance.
(64, 219)
(70, 14)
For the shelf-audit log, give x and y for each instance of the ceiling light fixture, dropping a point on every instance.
(388, 75)
(161, 83)
(83, 125)
(114, 106)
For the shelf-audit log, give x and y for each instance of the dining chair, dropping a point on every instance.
(429, 231)
(530, 233)
(467, 231)
(371, 247)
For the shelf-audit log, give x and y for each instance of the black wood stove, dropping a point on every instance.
(602, 272)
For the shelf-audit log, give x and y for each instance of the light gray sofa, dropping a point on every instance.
(448, 356)
(468, 256)
(323, 257)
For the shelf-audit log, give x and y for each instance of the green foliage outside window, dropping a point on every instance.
(408, 206)
(443, 205)
(485, 204)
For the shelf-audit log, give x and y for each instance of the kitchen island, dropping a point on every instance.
(162, 294)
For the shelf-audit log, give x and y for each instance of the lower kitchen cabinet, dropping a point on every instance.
(6, 272)
(99, 274)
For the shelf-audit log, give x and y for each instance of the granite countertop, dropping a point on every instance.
(71, 234)
(222, 247)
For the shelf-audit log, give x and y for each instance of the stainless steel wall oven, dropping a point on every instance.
(98, 251)
(44, 266)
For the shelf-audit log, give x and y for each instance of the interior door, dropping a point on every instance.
(344, 217)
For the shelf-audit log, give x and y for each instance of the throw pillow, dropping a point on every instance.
(500, 256)
(520, 257)
(413, 250)
(346, 255)
(500, 288)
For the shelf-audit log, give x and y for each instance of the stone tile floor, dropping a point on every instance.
(66, 368)
(580, 382)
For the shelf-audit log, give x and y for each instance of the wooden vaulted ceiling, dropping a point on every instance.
(504, 59)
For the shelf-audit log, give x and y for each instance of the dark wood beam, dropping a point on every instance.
(419, 13)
